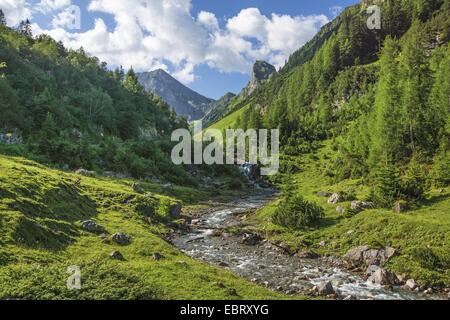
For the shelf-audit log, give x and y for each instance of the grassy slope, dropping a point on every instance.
(229, 120)
(426, 227)
(40, 236)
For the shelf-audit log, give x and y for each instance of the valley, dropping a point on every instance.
(358, 210)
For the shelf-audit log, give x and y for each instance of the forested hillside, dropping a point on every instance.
(65, 108)
(381, 96)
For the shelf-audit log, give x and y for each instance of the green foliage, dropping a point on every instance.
(73, 112)
(295, 212)
(386, 187)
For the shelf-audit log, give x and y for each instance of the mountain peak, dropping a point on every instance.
(183, 100)
(261, 72)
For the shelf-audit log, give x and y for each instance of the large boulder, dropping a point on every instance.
(92, 226)
(175, 211)
(325, 288)
(335, 198)
(364, 256)
(383, 277)
(121, 238)
(411, 285)
(355, 255)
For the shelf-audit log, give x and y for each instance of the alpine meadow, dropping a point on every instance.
(94, 206)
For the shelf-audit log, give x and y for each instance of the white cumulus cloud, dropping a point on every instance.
(150, 34)
(15, 11)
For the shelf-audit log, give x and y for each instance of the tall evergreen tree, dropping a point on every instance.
(386, 126)
(415, 84)
(25, 28)
(2, 18)
(131, 82)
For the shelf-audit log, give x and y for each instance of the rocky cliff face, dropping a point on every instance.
(262, 71)
(183, 100)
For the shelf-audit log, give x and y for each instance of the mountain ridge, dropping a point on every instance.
(184, 101)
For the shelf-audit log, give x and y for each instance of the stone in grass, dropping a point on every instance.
(116, 255)
(335, 198)
(92, 226)
(158, 256)
(121, 238)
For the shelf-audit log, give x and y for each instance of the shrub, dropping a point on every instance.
(295, 212)
(414, 183)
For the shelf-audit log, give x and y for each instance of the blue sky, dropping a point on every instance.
(209, 45)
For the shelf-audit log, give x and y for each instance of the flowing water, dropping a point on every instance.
(267, 265)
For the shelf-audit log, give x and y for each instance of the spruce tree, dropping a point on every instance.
(2, 18)
(386, 126)
(131, 82)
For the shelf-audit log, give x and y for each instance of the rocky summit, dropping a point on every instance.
(183, 100)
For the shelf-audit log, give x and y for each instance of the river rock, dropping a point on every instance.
(116, 255)
(383, 277)
(92, 226)
(371, 270)
(411, 284)
(325, 288)
(175, 211)
(121, 238)
(335, 198)
(251, 239)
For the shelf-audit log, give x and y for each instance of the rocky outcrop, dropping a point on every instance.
(262, 71)
(364, 256)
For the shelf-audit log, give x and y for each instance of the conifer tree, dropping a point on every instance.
(386, 127)
(131, 82)
(2, 18)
